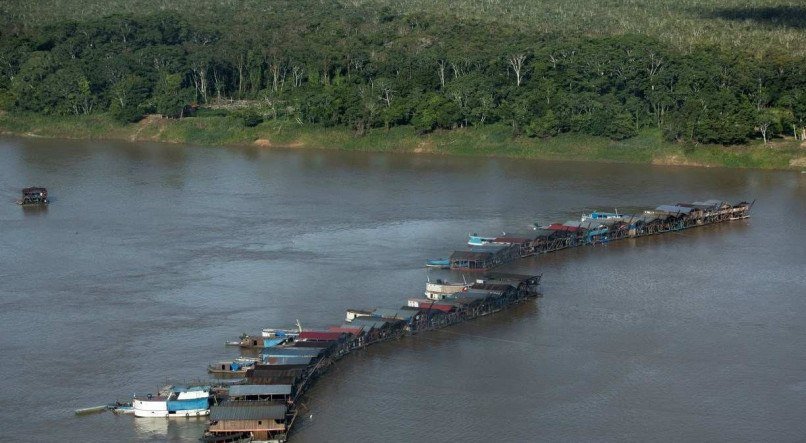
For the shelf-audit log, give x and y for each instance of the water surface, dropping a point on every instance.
(150, 256)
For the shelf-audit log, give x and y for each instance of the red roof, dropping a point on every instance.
(320, 335)
(425, 304)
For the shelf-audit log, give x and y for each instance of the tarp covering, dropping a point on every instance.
(290, 352)
(185, 405)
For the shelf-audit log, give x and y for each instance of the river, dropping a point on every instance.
(150, 256)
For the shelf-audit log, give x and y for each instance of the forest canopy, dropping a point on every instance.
(722, 74)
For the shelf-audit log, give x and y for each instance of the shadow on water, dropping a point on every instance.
(34, 210)
(773, 16)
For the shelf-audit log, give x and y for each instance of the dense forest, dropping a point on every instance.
(365, 65)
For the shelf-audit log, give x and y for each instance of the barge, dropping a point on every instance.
(266, 403)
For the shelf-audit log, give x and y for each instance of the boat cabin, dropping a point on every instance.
(260, 420)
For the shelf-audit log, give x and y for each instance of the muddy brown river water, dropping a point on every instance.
(151, 256)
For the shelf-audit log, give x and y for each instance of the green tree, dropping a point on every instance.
(128, 96)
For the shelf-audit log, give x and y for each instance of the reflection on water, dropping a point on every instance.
(34, 210)
(151, 256)
(161, 429)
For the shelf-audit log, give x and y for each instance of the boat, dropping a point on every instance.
(34, 196)
(230, 367)
(441, 263)
(476, 240)
(441, 289)
(279, 333)
(600, 216)
(121, 408)
(193, 401)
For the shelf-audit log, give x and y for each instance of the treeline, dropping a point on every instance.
(318, 63)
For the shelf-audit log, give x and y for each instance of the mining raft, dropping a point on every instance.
(34, 196)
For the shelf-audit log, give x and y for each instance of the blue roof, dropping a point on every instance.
(268, 342)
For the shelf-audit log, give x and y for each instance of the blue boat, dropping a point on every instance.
(442, 263)
(175, 401)
(476, 240)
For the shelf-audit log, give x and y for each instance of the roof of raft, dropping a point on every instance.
(248, 410)
(271, 360)
(277, 351)
(250, 390)
(674, 209)
(320, 335)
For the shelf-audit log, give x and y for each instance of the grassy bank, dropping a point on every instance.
(492, 140)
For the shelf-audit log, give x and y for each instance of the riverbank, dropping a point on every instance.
(492, 140)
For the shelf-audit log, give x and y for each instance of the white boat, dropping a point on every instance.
(477, 240)
(440, 289)
(179, 402)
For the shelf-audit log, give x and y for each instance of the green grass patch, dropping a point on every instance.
(490, 140)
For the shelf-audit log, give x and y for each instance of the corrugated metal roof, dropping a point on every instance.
(470, 255)
(272, 379)
(394, 313)
(277, 370)
(498, 287)
(290, 352)
(559, 227)
(373, 322)
(674, 209)
(489, 248)
(356, 330)
(520, 278)
(287, 360)
(248, 410)
(513, 238)
(320, 336)
(543, 232)
(249, 390)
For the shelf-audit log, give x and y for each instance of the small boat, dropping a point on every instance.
(92, 410)
(441, 263)
(476, 240)
(230, 367)
(279, 333)
(34, 196)
(121, 408)
(193, 401)
(600, 216)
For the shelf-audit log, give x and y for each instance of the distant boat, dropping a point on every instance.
(442, 263)
(230, 367)
(34, 196)
(477, 240)
(191, 401)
